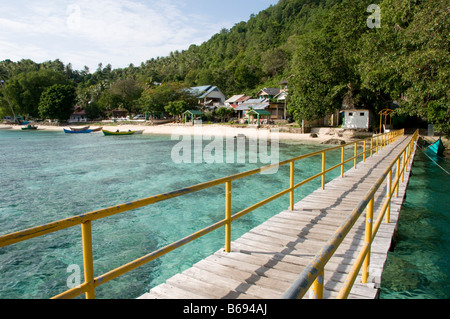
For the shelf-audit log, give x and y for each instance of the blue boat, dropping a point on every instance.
(77, 132)
(437, 148)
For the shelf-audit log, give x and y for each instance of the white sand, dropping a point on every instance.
(205, 130)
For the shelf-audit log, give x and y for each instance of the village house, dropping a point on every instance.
(251, 104)
(236, 100)
(268, 93)
(78, 116)
(270, 100)
(356, 119)
(209, 96)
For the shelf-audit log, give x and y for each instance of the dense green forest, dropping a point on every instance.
(335, 56)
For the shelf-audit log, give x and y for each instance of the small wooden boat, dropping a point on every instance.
(77, 132)
(85, 128)
(437, 148)
(97, 129)
(109, 133)
(29, 127)
(139, 132)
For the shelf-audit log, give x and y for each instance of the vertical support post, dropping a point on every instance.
(323, 170)
(228, 217)
(388, 214)
(377, 145)
(371, 147)
(86, 233)
(403, 166)
(398, 177)
(407, 154)
(356, 153)
(292, 184)
(342, 160)
(364, 152)
(368, 240)
(317, 287)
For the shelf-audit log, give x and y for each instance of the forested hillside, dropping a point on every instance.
(336, 60)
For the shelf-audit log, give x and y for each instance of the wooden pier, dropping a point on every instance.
(266, 261)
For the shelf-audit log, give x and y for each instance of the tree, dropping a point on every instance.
(126, 92)
(58, 102)
(326, 65)
(407, 59)
(274, 61)
(176, 108)
(93, 111)
(224, 112)
(25, 89)
(156, 98)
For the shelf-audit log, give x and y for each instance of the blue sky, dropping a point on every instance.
(119, 32)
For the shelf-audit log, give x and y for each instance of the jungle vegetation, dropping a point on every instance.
(336, 58)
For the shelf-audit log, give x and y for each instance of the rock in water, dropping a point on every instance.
(335, 141)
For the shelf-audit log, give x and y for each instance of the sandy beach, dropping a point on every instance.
(205, 130)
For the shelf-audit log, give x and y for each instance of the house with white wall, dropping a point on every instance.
(209, 96)
(356, 119)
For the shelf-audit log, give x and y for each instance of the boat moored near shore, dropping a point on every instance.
(110, 133)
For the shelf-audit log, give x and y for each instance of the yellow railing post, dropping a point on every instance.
(356, 153)
(228, 217)
(86, 232)
(408, 157)
(389, 194)
(368, 240)
(317, 287)
(403, 166)
(376, 151)
(323, 170)
(398, 177)
(342, 160)
(371, 147)
(292, 184)
(364, 152)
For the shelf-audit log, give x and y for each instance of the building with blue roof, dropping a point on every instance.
(209, 96)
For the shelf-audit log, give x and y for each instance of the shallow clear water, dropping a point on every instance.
(419, 266)
(48, 176)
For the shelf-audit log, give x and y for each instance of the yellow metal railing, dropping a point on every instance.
(313, 275)
(376, 142)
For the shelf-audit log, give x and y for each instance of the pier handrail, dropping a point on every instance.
(377, 142)
(313, 274)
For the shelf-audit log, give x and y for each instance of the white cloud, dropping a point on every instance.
(87, 32)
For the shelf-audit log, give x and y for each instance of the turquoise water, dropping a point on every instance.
(419, 266)
(48, 176)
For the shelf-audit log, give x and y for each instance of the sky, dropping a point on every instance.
(116, 32)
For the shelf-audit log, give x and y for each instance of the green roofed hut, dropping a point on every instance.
(192, 114)
(259, 114)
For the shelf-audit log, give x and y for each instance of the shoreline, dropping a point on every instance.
(205, 130)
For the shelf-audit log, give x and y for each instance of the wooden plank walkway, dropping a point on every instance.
(266, 261)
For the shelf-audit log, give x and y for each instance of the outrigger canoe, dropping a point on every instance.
(437, 148)
(77, 132)
(109, 133)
